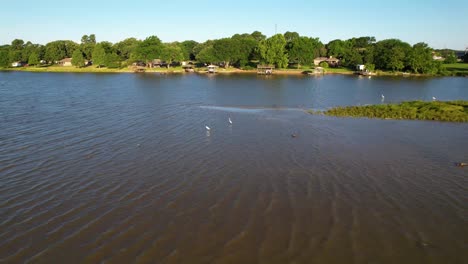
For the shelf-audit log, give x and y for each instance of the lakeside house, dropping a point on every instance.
(18, 64)
(332, 62)
(156, 63)
(65, 62)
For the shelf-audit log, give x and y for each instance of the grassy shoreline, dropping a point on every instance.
(92, 69)
(448, 111)
(454, 70)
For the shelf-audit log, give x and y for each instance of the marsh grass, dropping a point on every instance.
(451, 111)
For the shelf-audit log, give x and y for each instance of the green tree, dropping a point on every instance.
(258, 36)
(304, 49)
(336, 48)
(419, 58)
(149, 49)
(99, 55)
(78, 59)
(246, 46)
(171, 52)
(207, 55)
(227, 50)
(390, 54)
(126, 47)
(450, 58)
(4, 59)
(87, 45)
(17, 44)
(33, 59)
(57, 50)
(187, 49)
(14, 55)
(272, 51)
(112, 60)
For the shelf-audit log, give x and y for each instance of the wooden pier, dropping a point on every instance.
(265, 69)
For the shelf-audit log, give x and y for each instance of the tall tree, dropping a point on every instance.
(149, 49)
(33, 59)
(303, 50)
(99, 56)
(227, 50)
(126, 47)
(171, 52)
(17, 44)
(187, 49)
(272, 51)
(258, 36)
(207, 55)
(450, 58)
(4, 59)
(112, 60)
(87, 45)
(390, 54)
(419, 57)
(78, 59)
(59, 49)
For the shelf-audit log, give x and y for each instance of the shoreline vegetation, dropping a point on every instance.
(288, 53)
(447, 111)
(458, 69)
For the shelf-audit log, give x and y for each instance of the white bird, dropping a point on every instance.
(230, 121)
(383, 97)
(433, 98)
(207, 128)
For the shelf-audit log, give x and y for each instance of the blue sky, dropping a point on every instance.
(441, 24)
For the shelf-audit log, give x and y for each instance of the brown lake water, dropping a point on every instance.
(119, 168)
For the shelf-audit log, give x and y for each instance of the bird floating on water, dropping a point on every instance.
(433, 98)
(207, 128)
(230, 121)
(383, 97)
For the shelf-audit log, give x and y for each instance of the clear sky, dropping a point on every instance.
(441, 24)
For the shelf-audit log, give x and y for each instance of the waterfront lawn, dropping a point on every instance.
(457, 68)
(452, 111)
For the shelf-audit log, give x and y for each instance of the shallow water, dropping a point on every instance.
(120, 168)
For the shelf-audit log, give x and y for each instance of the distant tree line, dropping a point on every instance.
(240, 50)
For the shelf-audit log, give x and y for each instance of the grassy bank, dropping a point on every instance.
(452, 111)
(458, 69)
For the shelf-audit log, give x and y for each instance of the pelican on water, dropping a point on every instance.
(230, 121)
(207, 128)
